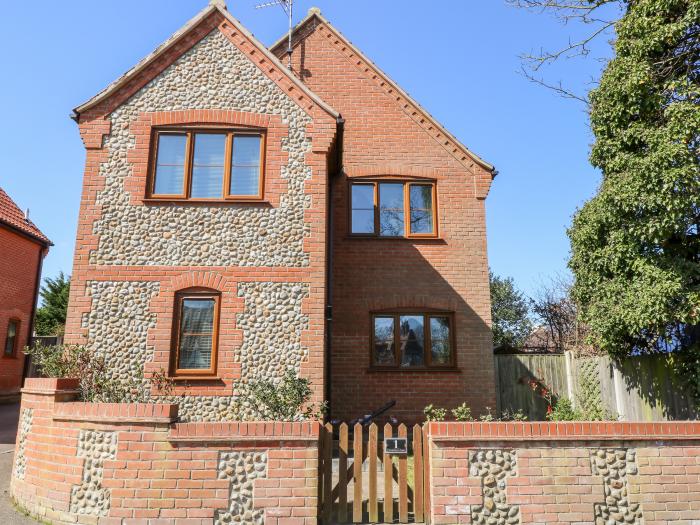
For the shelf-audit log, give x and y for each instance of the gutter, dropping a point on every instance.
(340, 126)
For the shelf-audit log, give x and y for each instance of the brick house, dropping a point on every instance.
(240, 218)
(22, 251)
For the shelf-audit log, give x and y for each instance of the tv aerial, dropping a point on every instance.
(288, 7)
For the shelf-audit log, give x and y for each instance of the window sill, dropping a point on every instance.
(415, 369)
(207, 202)
(430, 240)
(195, 378)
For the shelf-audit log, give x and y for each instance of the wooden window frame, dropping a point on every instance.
(406, 208)
(15, 344)
(196, 293)
(427, 346)
(189, 164)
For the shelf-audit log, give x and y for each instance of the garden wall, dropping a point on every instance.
(133, 463)
(565, 473)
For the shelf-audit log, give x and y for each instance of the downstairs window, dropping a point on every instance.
(412, 340)
(196, 327)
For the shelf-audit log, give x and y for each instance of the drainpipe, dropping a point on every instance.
(340, 123)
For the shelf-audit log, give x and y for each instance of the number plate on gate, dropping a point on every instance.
(396, 445)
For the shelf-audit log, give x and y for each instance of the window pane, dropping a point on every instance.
(384, 352)
(246, 150)
(245, 180)
(170, 165)
(208, 165)
(195, 352)
(209, 149)
(11, 337)
(412, 340)
(362, 221)
(391, 215)
(197, 316)
(421, 202)
(391, 195)
(440, 340)
(363, 196)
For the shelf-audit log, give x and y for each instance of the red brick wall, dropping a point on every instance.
(554, 479)
(18, 273)
(161, 470)
(386, 135)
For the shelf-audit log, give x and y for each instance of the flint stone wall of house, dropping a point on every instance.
(133, 255)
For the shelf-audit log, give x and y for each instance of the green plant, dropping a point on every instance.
(462, 413)
(563, 410)
(488, 417)
(96, 384)
(433, 413)
(286, 400)
(514, 415)
(51, 315)
(510, 313)
(636, 243)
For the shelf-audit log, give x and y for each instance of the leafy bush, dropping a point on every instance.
(96, 385)
(433, 413)
(488, 417)
(462, 413)
(514, 415)
(287, 400)
(563, 410)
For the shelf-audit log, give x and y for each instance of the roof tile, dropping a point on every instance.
(13, 216)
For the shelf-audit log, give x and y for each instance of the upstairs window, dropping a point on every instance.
(12, 338)
(393, 209)
(412, 340)
(195, 333)
(207, 165)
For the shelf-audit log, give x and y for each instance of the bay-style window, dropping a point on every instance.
(412, 340)
(207, 165)
(393, 209)
(195, 333)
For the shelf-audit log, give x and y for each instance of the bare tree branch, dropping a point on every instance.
(557, 88)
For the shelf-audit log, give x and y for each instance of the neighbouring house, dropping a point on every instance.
(240, 218)
(22, 251)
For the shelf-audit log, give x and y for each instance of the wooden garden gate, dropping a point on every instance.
(384, 486)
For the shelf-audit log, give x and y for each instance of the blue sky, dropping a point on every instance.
(458, 58)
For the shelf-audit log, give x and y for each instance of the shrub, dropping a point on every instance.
(514, 415)
(287, 400)
(563, 410)
(462, 413)
(433, 413)
(95, 382)
(488, 417)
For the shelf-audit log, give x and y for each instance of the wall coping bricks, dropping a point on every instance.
(50, 386)
(243, 431)
(116, 412)
(563, 431)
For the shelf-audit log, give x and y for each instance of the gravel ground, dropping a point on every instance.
(9, 414)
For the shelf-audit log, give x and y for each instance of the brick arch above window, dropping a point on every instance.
(392, 169)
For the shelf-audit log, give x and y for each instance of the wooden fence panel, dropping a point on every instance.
(372, 455)
(357, 474)
(343, 473)
(403, 480)
(388, 479)
(638, 388)
(418, 473)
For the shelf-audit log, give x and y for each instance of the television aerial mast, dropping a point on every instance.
(288, 6)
